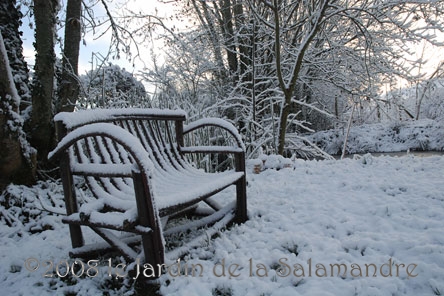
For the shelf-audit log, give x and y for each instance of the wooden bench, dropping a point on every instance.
(136, 163)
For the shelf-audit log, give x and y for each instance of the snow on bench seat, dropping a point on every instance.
(180, 189)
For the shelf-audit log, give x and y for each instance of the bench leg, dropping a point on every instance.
(153, 250)
(76, 236)
(241, 190)
(241, 201)
(70, 202)
(152, 242)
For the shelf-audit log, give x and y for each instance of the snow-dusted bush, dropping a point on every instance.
(422, 135)
(112, 86)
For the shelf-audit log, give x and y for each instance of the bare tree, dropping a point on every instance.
(269, 66)
(69, 88)
(306, 21)
(350, 46)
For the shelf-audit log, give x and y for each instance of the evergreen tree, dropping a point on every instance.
(17, 158)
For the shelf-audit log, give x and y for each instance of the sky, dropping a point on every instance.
(91, 47)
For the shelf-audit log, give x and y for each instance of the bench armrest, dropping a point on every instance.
(211, 149)
(215, 122)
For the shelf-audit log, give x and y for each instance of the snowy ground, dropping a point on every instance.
(370, 210)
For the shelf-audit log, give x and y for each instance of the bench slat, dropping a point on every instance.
(113, 240)
(124, 226)
(104, 247)
(103, 170)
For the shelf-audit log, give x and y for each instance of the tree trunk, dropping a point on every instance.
(288, 85)
(208, 23)
(69, 87)
(228, 32)
(285, 111)
(244, 42)
(42, 133)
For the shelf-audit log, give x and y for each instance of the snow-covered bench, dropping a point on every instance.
(135, 164)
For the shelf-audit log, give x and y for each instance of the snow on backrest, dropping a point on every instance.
(159, 139)
(154, 127)
(73, 120)
(97, 150)
(156, 130)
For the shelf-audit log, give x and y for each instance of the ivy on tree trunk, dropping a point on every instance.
(17, 162)
(42, 133)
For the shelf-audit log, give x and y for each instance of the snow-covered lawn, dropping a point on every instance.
(365, 226)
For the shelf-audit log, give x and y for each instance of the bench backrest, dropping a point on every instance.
(159, 131)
